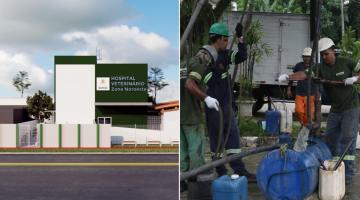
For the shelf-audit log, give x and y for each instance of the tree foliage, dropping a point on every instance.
(21, 82)
(278, 6)
(39, 104)
(156, 81)
(350, 47)
(199, 34)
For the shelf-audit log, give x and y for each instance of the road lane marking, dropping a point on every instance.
(89, 164)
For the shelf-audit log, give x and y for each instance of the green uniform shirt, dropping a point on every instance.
(342, 97)
(190, 108)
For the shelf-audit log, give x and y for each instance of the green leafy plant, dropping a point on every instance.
(350, 47)
(21, 82)
(39, 104)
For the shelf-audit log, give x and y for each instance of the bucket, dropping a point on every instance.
(199, 190)
(332, 183)
(230, 188)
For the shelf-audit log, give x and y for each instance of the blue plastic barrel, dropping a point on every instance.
(225, 188)
(291, 175)
(284, 138)
(272, 118)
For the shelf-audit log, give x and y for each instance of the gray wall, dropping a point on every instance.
(13, 114)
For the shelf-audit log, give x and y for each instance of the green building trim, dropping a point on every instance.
(60, 135)
(97, 135)
(41, 135)
(81, 60)
(79, 135)
(17, 136)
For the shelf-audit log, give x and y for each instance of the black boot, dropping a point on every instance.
(183, 186)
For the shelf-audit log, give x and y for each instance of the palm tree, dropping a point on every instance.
(21, 82)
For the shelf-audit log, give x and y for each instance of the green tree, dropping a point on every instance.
(39, 104)
(199, 35)
(279, 6)
(349, 45)
(256, 49)
(156, 81)
(353, 14)
(21, 82)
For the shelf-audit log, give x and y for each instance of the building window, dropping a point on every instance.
(104, 120)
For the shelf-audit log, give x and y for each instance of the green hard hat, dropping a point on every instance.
(219, 29)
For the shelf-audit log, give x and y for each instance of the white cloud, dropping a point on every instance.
(168, 93)
(38, 24)
(11, 64)
(125, 44)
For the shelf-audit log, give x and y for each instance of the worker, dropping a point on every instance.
(342, 121)
(193, 92)
(302, 90)
(218, 94)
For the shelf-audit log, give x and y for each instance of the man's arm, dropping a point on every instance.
(195, 77)
(194, 89)
(240, 55)
(297, 76)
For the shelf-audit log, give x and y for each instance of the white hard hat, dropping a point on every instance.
(307, 51)
(325, 43)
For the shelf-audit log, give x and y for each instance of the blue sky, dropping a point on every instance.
(125, 31)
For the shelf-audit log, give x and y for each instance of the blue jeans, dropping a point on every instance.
(341, 129)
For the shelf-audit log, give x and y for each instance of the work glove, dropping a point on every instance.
(351, 80)
(238, 30)
(283, 78)
(212, 103)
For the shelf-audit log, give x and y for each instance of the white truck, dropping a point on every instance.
(287, 35)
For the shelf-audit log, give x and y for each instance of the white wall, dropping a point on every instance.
(69, 136)
(75, 94)
(88, 135)
(7, 135)
(171, 126)
(105, 136)
(50, 135)
(141, 136)
(169, 134)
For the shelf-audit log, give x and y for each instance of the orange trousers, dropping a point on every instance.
(301, 108)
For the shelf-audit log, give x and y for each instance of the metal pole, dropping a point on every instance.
(224, 160)
(191, 23)
(342, 17)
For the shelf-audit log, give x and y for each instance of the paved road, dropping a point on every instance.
(75, 181)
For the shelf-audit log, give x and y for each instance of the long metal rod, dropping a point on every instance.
(224, 160)
(343, 155)
(342, 18)
(191, 23)
(314, 55)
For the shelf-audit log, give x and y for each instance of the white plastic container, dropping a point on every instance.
(286, 119)
(332, 183)
(358, 141)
